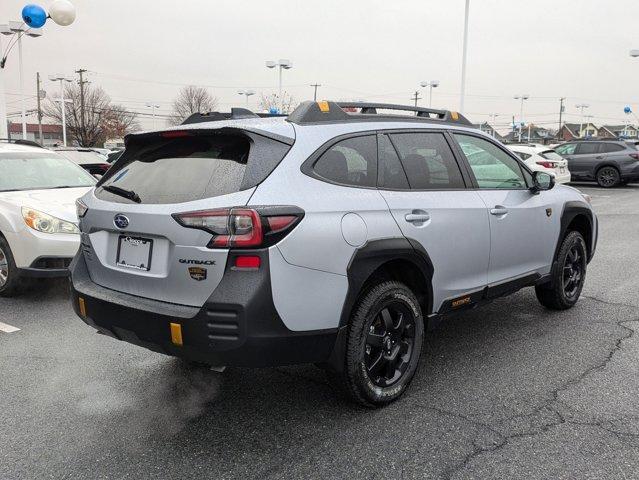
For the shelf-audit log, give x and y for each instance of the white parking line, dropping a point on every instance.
(7, 328)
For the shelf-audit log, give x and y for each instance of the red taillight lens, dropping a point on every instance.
(635, 156)
(248, 261)
(105, 166)
(547, 164)
(241, 227)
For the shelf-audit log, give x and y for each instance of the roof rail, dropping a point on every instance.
(234, 114)
(19, 141)
(337, 112)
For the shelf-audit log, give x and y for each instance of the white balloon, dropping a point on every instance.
(62, 12)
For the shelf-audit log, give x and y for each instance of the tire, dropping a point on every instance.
(563, 291)
(10, 281)
(608, 177)
(383, 345)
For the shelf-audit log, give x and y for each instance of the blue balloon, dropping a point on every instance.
(627, 110)
(274, 111)
(34, 15)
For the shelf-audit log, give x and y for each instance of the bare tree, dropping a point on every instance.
(272, 103)
(192, 99)
(101, 119)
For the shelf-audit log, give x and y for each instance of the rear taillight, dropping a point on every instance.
(634, 155)
(104, 166)
(547, 164)
(242, 227)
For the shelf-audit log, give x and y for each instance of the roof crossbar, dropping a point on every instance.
(337, 112)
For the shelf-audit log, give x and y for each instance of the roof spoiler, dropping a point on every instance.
(337, 112)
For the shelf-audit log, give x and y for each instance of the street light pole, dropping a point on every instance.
(152, 106)
(282, 64)
(247, 94)
(582, 106)
(522, 97)
(431, 84)
(493, 116)
(4, 134)
(63, 107)
(464, 50)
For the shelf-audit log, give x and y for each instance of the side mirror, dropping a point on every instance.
(542, 181)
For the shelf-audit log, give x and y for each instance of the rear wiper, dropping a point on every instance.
(130, 194)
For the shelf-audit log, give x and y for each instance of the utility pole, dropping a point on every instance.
(81, 82)
(315, 86)
(416, 97)
(561, 111)
(39, 109)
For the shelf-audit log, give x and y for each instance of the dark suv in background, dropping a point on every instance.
(608, 162)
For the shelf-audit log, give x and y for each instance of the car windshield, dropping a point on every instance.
(38, 171)
(82, 157)
(551, 155)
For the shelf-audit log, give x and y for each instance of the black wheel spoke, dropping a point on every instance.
(376, 364)
(387, 319)
(401, 324)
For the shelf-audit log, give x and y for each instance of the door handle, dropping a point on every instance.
(498, 210)
(599, 157)
(417, 217)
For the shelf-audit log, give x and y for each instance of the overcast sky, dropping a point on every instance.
(142, 51)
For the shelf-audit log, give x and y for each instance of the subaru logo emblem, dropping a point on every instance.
(120, 221)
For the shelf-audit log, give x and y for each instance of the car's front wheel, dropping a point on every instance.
(383, 345)
(563, 291)
(608, 177)
(10, 281)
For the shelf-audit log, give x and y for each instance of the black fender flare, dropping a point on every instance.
(570, 211)
(368, 258)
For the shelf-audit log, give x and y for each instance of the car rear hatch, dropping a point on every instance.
(135, 236)
(554, 161)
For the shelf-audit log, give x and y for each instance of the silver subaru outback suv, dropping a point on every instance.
(337, 236)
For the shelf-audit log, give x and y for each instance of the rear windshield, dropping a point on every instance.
(191, 168)
(551, 155)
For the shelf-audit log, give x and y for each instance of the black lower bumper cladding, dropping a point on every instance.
(237, 326)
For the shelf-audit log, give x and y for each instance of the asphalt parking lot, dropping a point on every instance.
(508, 390)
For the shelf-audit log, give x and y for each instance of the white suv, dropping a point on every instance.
(327, 237)
(543, 159)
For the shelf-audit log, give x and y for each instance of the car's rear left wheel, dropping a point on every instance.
(10, 281)
(383, 345)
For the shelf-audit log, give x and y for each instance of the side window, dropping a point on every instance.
(492, 167)
(350, 162)
(391, 172)
(428, 161)
(566, 149)
(611, 147)
(523, 156)
(587, 148)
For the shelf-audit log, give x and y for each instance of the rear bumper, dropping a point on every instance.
(237, 326)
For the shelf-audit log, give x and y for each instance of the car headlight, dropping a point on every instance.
(45, 223)
(80, 208)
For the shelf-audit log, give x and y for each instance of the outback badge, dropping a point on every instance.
(197, 273)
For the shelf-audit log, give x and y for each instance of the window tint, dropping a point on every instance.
(611, 147)
(551, 155)
(566, 148)
(492, 167)
(391, 172)
(350, 162)
(428, 161)
(587, 148)
(523, 156)
(183, 169)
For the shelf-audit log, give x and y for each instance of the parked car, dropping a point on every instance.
(102, 151)
(325, 237)
(543, 159)
(38, 224)
(93, 162)
(608, 162)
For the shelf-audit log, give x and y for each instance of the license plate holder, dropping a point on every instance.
(134, 252)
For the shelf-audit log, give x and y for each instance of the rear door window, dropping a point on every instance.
(350, 162)
(587, 148)
(566, 148)
(391, 172)
(428, 161)
(189, 168)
